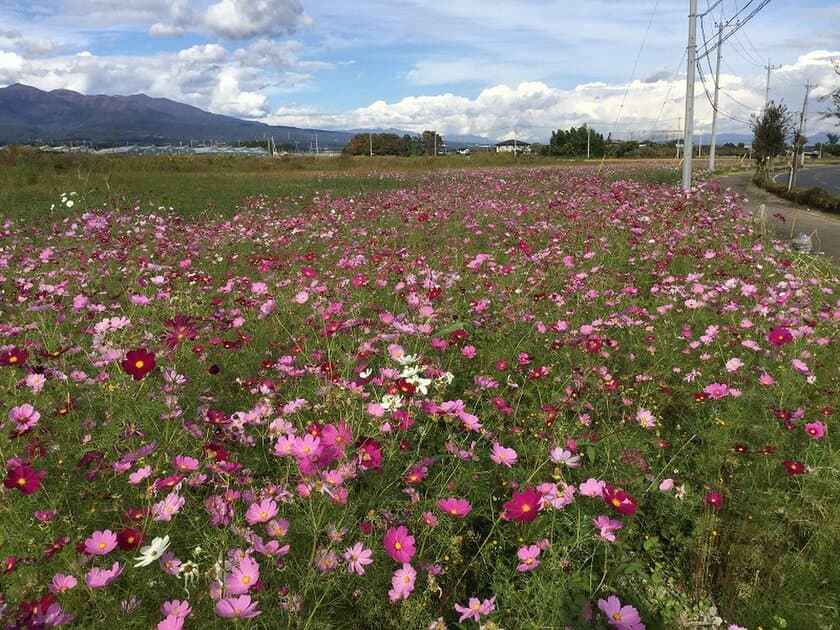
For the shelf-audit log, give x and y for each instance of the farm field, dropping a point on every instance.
(514, 397)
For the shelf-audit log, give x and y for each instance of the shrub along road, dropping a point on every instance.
(823, 228)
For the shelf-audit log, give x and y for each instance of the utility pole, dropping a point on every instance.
(588, 130)
(798, 140)
(370, 140)
(715, 104)
(768, 67)
(689, 95)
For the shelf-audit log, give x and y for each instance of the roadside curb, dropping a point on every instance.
(785, 218)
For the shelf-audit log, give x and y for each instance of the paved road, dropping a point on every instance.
(825, 177)
(824, 227)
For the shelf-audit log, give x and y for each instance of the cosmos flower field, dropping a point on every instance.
(517, 398)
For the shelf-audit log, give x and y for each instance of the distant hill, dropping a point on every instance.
(30, 115)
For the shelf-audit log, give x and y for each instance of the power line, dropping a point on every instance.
(711, 101)
(707, 48)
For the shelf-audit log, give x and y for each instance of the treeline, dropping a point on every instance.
(427, 143)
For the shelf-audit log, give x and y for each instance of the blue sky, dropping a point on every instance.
(482, 67)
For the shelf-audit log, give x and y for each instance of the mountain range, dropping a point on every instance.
(29, 115)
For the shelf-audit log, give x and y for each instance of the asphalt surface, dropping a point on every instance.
(825, 177)
(823, 228)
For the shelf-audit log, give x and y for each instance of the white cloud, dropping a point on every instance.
(244, 19)
(158, 29)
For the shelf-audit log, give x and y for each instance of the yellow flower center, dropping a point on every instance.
(526, 508)
(13, 359)
(616, 502)
(616, 616)
(21, 481)
(397, 546)
(139, 364)
(246, 579)
(102, 545)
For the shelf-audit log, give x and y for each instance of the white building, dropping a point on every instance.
(511, 146)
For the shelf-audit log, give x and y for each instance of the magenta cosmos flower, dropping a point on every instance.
(618, 616)
(458, 508)
(23, 477)
(399, 544)
(237, 607)
(779, 336)
(523, 506)
(619, 500)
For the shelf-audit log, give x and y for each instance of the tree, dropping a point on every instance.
(382, 143)
(832, 147)
(769, 133)
(431, 142)
(833, 98)
(574, 142)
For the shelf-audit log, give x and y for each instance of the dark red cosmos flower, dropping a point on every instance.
(10, 564)
(179, 328)
(138, 363)
(794, 467)
(593, 345)
(15, 356)
(619, 500)
(714, 499)
(779, 336)
(23, 477)
(523, 506)
(129, 539)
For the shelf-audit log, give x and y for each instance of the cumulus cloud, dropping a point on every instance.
(244, 19)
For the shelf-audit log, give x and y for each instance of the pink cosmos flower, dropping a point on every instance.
(171, 622)
(815, 430)
(402, 583)
(504, 456)
(185, 463)
(646, 418)
(528, 556)
(243, 576)
(175, 608)
(607, 526)
(801, 367)
(166, 509)
(139, 475)
(560, 455)
(592, 487)
(475, 609)
(237, 607)
(430, 519)
(261, 512)
(62, 583)
(101, 543)
(618, 616)
(25, 416)
(458, 508)
(357, 557)
(98, 578)
(399, 544)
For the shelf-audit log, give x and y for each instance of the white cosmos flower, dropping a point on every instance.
(151, 552)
